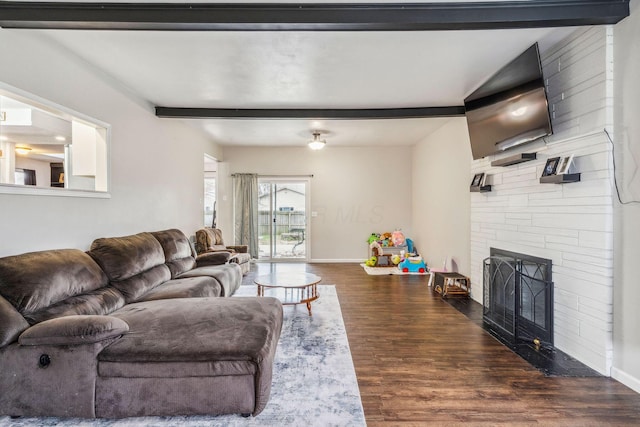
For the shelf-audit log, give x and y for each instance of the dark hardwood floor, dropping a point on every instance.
(421, 362)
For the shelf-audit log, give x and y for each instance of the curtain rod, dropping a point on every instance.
(233, 175)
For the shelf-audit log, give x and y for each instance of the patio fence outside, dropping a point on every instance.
(289, 233)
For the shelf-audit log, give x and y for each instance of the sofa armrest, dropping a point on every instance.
(212, 258)
(242, 249)
(12, 324)
(74, 330)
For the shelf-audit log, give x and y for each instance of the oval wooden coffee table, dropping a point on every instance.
(299, 288)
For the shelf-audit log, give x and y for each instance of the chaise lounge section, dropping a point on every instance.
(119, 332)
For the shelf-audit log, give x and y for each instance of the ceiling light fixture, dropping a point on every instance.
(60, 138)
(23, 150)
(316, 143)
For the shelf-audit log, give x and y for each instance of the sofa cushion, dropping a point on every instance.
(135, 287)
(124, 257)
(36, 280)
(134, 264)
(228, 275)
(74, 330)
(11, 323)
(197, 330)
(216, 236)
(101, 301)
(193, 287)
(178, 252)
(209, 238)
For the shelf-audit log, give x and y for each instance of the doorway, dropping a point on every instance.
(282, 219)
(210, 193)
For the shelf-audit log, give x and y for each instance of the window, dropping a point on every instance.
(62, 150)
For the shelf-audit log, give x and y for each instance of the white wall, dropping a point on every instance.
(156, 165)
(440, 166)
(626, 344)
(355, 191)
(571, 224)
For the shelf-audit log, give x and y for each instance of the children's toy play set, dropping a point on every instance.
(389, 249)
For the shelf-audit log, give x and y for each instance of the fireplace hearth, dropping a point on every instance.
(517, 310)
(518, 297)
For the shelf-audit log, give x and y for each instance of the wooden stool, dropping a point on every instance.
(452, 284)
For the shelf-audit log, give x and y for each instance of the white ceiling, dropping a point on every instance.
(304, 70)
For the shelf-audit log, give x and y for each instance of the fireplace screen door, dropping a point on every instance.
(518, 296)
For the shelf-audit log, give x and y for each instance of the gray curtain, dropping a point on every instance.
(245, 199)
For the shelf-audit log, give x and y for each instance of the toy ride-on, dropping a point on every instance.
(413, 264)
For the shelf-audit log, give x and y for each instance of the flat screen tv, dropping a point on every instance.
(510, 108)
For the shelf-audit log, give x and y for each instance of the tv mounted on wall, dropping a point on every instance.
(510, 108)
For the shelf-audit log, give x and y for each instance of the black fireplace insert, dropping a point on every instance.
(518, 297)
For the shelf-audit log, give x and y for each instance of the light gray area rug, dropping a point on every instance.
(314, 381)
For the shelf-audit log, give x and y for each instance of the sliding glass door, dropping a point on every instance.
(282, 219)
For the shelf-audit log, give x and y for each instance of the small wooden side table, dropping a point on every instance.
(452, 284)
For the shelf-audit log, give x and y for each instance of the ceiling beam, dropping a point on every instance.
(311, 16)
(327, 114)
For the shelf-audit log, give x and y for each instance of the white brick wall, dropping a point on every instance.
(571, 224)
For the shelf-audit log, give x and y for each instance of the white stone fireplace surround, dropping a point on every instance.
(571, 224)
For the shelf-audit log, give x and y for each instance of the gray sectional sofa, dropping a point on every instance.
(136, 326)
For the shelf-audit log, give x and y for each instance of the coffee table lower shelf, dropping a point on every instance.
(290, 289)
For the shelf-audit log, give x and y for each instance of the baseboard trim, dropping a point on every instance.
(334, 261)
(630, 381)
